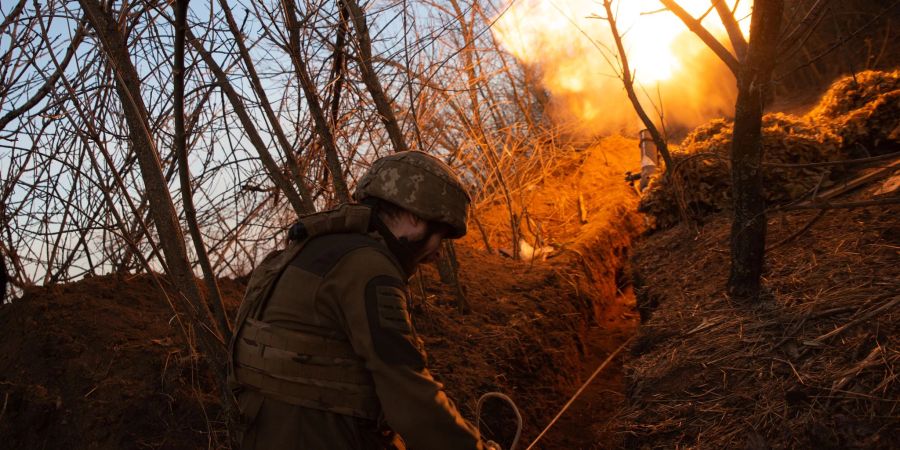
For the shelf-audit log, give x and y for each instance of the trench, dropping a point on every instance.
(536, 332)
(583, 206)
(596, 272)
(590, 422)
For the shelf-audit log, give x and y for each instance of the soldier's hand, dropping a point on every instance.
(491, 445)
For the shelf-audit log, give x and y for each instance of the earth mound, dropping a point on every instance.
(101, 364)
(858, 117)
(813, 365)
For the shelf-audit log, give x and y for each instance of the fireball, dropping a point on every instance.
(570, 42)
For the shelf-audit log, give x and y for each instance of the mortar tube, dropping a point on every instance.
(649, 157)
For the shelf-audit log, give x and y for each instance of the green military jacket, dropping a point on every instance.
(333, 361)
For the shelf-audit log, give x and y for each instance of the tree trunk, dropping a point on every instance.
(370, 77)
(184, 173)
(448, 269)
(161, 206)
(748, 229)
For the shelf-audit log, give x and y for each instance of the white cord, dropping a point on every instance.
(580, 390)
(505, 398)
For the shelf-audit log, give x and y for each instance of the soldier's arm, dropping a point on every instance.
(371, 298)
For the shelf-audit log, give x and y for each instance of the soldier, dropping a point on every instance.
(325, 355)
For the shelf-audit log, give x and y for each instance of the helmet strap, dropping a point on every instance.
(402, 248)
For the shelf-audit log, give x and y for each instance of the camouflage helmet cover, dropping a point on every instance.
(421, 184)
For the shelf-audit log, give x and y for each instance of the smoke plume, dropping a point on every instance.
(574, 52)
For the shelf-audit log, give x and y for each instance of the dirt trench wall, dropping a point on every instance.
(605, 256)
(100, 363)
(579, 208)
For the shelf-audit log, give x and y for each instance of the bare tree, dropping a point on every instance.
(323, 128)
(370, 76)
(184, 172)
(162, 209)
(738, 43)
(281, 137)
(748, 229)
(754, 76)
(301, 201)
(697, 28)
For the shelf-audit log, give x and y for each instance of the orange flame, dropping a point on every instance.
(575, 52)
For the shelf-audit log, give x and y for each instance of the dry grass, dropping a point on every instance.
(858, 117)
(813, 366)
(854, 92)
(863, 111)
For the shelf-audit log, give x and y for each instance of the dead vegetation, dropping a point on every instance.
(814, 363)
(858, 117)
(107, 345)
(813, 366)
(863, 110)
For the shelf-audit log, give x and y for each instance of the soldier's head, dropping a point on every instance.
(419, 197)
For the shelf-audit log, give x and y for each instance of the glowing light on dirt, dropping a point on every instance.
(559, 40)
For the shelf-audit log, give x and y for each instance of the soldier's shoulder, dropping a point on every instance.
(373, 261)
(321, 254)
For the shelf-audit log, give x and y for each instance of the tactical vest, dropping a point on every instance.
(311, 369)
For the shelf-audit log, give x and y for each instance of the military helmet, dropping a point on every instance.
(420, 184)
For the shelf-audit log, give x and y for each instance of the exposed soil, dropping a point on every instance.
(526, 337)
(99, 364)
(578, 205)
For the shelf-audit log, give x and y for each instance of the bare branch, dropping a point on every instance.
(704, 34)
(323, 129)
(628, 81)
(734, 30)
(187, 198)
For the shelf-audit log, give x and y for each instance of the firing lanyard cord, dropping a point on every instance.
(580, 390)
(504, 397)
